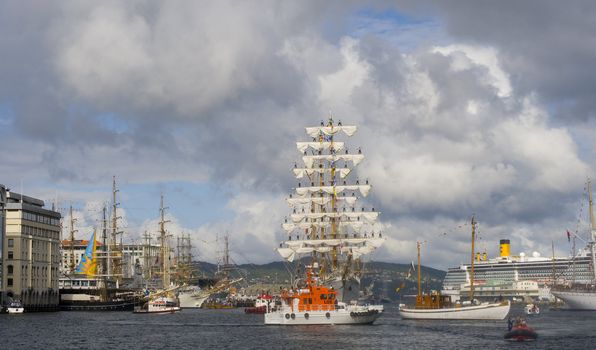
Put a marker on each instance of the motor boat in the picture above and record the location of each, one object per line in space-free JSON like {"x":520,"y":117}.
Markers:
{"x":520,"y":331}
{"x":15,"y":307}
{"x":532,"y":309}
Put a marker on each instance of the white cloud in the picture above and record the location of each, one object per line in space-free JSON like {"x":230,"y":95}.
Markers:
{"x":218,"y":92}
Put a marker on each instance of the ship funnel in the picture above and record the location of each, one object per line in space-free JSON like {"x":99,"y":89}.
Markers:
{"x":504,"y":247}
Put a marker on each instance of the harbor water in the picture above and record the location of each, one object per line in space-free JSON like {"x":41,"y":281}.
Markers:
{"x":233,"y":329}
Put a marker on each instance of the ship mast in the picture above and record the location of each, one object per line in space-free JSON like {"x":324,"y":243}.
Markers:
{"x":553,"y":251}
{"x":592,"y":231}
{"x":72,"y":238}
{"x":472,"y":260}
{"x":165,"y":252}
{"x":116,"y":249}
{"x":104,"y":234}
{"x":418,"y":243}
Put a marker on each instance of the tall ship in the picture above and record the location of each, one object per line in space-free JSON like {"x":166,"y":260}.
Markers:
{"x":191,"y":296}
{"x":580,"y":294}
{"x":327,"y":225}
{"x":164,"y":300}
{"x":96,"y":283}
{"x":436,"y":306}
{"x":328,"y":234}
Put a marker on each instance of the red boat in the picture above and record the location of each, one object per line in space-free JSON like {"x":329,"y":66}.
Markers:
{"x":521,"y":332}
{"x":260,"y":304}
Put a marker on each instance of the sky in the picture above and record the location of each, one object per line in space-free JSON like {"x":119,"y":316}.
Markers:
{"x":463,"y":107}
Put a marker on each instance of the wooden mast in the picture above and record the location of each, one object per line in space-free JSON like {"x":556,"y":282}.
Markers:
{"x":72,"y":232}
{"x":418,"y":243}
{"x":472,"y":260}
{"x":553,"y":258}
{"x":165,"y":254}
{"x":592,"y":231}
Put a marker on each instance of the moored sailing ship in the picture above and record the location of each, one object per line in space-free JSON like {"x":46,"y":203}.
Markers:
{"x":95,"y":284}
{"x":582,"y":296}
{"x":164,"y":300}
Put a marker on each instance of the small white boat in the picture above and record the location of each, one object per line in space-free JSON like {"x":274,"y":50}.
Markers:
{"x":15,"y":307}
{"x":159,"y":305}
{"x":532,"y":309}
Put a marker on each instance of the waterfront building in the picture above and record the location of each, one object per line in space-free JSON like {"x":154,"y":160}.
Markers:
{"x":30,"y":252}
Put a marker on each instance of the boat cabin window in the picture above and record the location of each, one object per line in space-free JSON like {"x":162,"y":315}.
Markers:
{"x":323,"y":296}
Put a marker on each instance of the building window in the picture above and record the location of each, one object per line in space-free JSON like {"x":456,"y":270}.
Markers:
{"x":10,"y":255}
{"x":9,"y":269}
{"x":9,"y":282}
{"x":10,"y":242}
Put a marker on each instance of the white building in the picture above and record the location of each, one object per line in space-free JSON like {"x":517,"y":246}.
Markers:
{"x":31,"y":252}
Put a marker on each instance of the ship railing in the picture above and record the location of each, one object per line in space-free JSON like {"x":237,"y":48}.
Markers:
{"x":322,"y":307}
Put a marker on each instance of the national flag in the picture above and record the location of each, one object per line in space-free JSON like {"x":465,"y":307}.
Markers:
{"x":568,"y":236}
{"x":88,"y":264}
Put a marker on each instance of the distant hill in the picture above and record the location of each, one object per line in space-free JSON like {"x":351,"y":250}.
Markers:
{"x":384,"y":277}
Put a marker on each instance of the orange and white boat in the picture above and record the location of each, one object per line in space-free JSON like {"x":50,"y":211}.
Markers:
{"x":316,"y":304}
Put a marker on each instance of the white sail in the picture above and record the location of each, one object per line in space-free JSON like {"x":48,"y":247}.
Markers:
{"x":355,"y":225}
{"x":287,"y":253}
{"x":369,"y":216}
{"x":321,"y":200}
{"x":301,"y":172}
{"x":354,"y":158}
{"x":364,"y":189}
{"x":331,"y":130}
{"x":319,"y":146}
{"x":355,"y":246}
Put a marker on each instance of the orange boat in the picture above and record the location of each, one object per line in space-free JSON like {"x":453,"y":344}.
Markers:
{"x":317,"y":304}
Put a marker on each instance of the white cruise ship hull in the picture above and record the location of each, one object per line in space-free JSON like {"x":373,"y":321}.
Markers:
{"x":359,"y":315}
{"x":577,"y":300}
{"x":486,"y":311}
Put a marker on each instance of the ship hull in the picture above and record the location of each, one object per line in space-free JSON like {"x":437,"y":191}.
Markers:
{"x":98,"y":306}
{"x":339,"y":317}
{"x":190,"y":300}
{"x":577,"y":300}
{"x":495,"y":311}
{"x":15,"y":310}
{"x":347,"y":290}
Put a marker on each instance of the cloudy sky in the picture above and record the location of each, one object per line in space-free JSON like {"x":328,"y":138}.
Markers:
{"x":463,"y":107}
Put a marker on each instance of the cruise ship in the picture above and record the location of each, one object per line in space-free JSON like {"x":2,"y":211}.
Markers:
{"x":516,"y":276}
